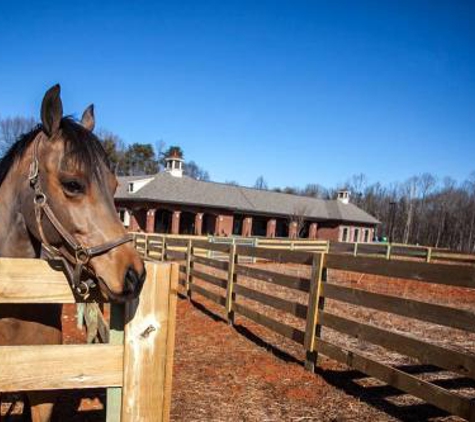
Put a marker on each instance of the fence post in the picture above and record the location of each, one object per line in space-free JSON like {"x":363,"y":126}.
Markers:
{"x":315,"y":303}
{"x":164,"y":248}
{"x":355,"y":249}
{"x":230,"y":295}
{"x":388,"y":251}
{"x":146,"y":247}
{"x":114,"y":394}
{"x":189,"y":266}
{"x":148,"y":347}
{"x":429,"y":254}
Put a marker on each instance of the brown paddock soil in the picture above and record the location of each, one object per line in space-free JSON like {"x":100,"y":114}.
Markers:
{"x":334,"y":393}
{"x":248,"y":373}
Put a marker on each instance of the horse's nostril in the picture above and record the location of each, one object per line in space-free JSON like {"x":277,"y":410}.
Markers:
{"x":133,"y":282}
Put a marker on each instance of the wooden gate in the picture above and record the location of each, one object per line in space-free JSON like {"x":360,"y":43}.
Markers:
{"x":136,"y":366}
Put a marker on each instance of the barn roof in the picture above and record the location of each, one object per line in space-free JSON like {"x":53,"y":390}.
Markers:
{"x":166,"y":188}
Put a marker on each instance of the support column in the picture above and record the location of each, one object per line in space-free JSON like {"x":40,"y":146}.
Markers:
{"x":150,"y":224}
{"x":219,"y":221}
{"x":293,"y":230}
{"x":312,"y":231}
{"x":198,"y":223}
{"x":134,"y":225}
{"x":271,"y":226}
{"x":176,"y":222}
{"x":247,"y":227}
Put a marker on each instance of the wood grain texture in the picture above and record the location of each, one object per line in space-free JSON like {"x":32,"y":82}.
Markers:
{"x":453,"y":275}
{"x":32,"y":281}
{"x":148,"y":335}
{"x":444,"y":399}
{"x":438,"y":314}
{"x":283,"y":329}
{"x":285,"y":280}
{"x":24,"y":368}
{"x":212,"y":279}
{"x":220,"y":300}
{"x":285,"y":305}
{"x":425,"y":352}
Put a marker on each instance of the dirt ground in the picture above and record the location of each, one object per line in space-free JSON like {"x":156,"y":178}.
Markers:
{"x":234,"y":374}
{"x":248,"y":373}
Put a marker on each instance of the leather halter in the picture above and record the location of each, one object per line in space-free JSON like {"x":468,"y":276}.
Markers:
{"x":81,"y":254}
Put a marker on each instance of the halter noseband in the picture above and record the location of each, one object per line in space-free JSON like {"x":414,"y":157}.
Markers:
{"x":81,"y":254}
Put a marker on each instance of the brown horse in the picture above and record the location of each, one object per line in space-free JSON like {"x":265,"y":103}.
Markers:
{"x":56,"y":194}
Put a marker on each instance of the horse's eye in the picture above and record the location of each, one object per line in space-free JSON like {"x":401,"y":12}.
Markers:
{"x":73,"y":186}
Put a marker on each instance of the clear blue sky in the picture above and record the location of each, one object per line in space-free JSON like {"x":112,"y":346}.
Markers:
{"x":298,"y":91}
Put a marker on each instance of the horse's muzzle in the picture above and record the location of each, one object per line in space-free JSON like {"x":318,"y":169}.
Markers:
{"x":133,"y":283}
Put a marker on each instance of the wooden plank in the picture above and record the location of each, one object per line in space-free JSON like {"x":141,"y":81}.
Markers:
{"x":114,"y":394}
{"x":32,"y":281}
{"x":315,"y":301}
{"x":170,"y":345}
{"x":427,"y":353}
{"x":149,"y":338}
{"x":437,"y":314}
{"x":283,"y":329}
{"x":433,"y":394}
{"x":296,"y":257}
{"x":292,"y":282}
{"x":232,"y":278}
{"x":220,"y":300}
{"x":285,"y":305}
{"x":220,"y":265}
{"x":216,"y":281}
{"x":453,"y":275}
{"x":188,"y":266}
{"x":204,"y":244}
{"x":25,"y":368}
{"x":176,"y":255}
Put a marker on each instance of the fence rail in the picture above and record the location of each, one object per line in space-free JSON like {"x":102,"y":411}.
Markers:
{"x":318,"y":317}
{"x":140,"y":365}
{"x":156,"y":246}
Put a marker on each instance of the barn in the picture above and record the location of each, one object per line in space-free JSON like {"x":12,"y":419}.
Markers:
{"x":170,"y":202}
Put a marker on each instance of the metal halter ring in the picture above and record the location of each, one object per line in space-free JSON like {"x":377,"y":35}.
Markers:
{"x":39,"y":199}
{"x":83,"y":289}
{"x":82,"y":256}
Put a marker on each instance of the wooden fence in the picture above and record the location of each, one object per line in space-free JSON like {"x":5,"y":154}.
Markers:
{"x":317,"y":317}
{"x":154,"y":246}
{"x":136,"y":366}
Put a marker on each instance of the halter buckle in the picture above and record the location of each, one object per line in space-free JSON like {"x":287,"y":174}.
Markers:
{"x":82,"y":255}
{"x":83,"y":290}
{"x":39,"y":199}
{"x":34,"y":171}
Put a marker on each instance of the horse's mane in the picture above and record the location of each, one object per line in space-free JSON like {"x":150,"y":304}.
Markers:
{"x":81,"y":146}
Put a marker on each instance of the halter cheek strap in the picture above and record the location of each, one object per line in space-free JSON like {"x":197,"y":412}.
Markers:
{"x":81,"y":255}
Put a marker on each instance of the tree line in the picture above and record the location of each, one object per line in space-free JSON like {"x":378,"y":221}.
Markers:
{"x":126,"y":160}
{"x":422,"y":210}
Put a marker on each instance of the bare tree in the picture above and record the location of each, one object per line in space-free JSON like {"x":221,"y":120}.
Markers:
{"x":298,"y":218}
{"x":11,"y":128}
{"x":261,"y":184}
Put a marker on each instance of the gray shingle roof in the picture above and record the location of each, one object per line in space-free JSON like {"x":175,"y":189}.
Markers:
{"x":167,"y":188}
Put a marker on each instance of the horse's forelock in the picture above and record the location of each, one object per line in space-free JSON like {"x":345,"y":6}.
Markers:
{"x":82,"y":149}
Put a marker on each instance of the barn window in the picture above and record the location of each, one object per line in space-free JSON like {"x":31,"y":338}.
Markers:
{"x":344,"y":234}
{"x":356,"y":235}
{"x":131,"y":187}
{"x":366,"y":235}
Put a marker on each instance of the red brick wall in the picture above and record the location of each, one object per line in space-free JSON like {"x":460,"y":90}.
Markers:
{"x":225,"y":225}
{"x":328,"y":232}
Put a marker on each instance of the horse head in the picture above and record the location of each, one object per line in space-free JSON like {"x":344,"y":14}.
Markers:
{"x":68,"y":203}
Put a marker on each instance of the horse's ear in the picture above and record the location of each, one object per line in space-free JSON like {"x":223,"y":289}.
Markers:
{"x":52,"y":110}
{"x":88,"y":120}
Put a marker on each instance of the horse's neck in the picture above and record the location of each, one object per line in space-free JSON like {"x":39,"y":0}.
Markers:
{"x":15,"y":240}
